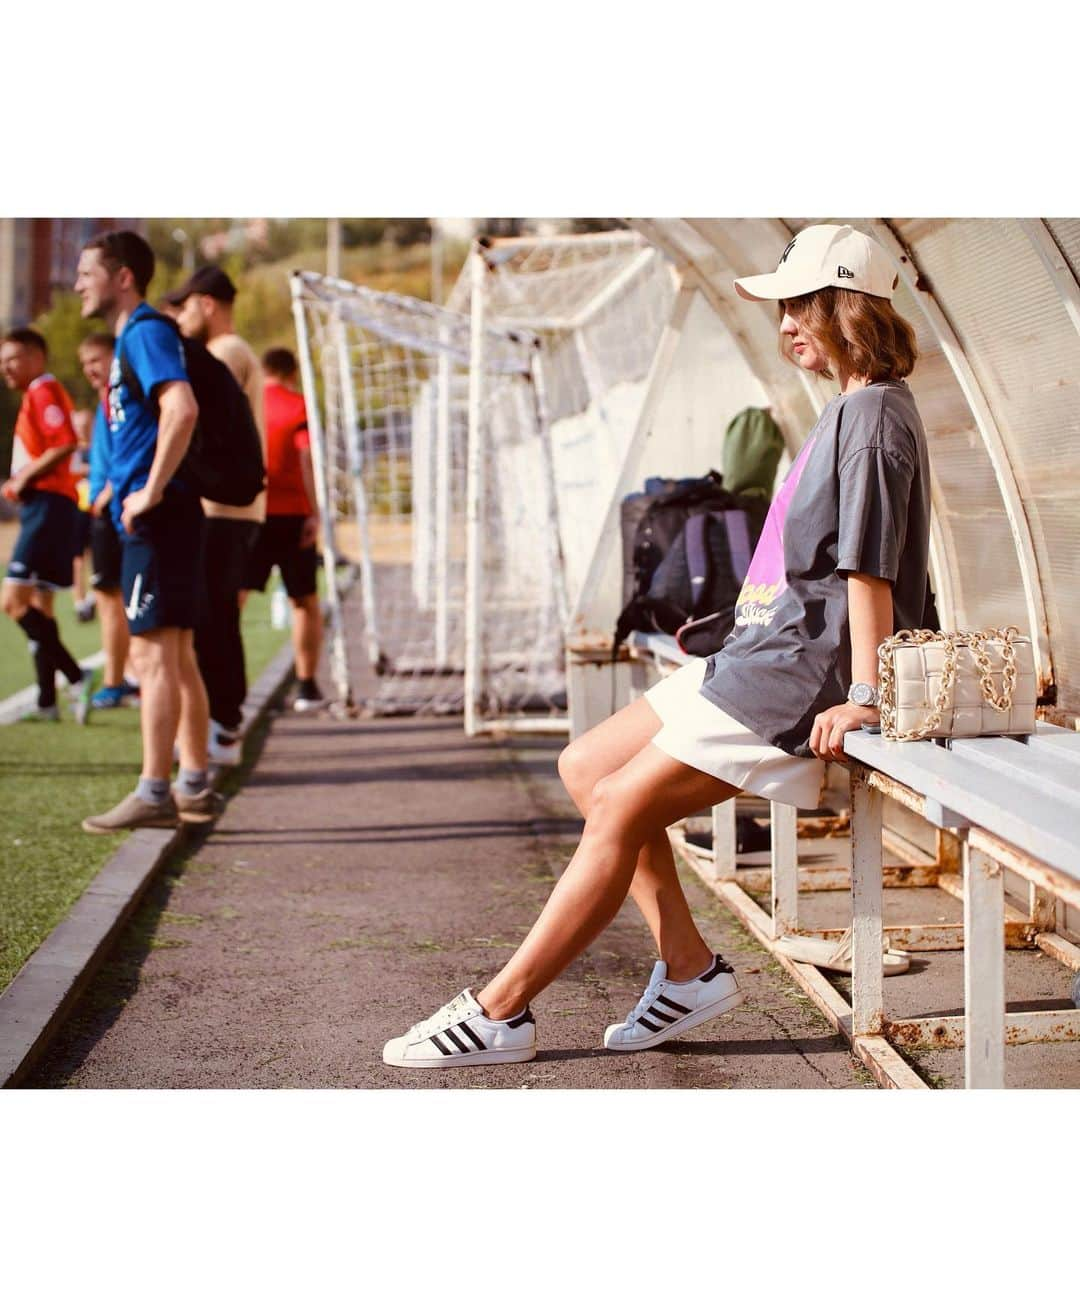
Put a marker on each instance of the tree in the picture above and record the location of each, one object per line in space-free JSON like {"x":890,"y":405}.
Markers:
{"x":64,"y":328}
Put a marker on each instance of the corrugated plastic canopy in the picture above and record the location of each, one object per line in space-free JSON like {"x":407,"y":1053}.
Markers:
{"x":996,"y":307}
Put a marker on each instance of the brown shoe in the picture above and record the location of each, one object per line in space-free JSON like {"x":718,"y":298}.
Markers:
{"x":132,"y":812}
{"x":204,"y":806}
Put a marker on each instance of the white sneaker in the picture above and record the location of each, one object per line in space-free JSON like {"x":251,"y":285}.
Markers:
{"x":224,"y":747}
{"x":460,"y":1035}
{"x":667,"y":1009}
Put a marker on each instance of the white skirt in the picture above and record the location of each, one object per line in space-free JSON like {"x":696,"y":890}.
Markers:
{"x":698,"y":733}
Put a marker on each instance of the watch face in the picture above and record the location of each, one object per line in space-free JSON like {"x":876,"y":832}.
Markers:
{"x":863,"y":695}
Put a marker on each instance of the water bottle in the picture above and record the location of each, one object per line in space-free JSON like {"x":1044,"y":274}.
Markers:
{"x":279,"y":608}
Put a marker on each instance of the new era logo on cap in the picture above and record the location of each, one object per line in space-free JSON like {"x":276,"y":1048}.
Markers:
{"x":841,"y":271}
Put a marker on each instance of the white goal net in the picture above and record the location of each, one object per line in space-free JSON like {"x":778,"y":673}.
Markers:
{"x":433,"y":470}
{"x":598,"y":304}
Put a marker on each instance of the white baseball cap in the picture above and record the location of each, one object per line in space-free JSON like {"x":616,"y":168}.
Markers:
{"x":825,"y":256}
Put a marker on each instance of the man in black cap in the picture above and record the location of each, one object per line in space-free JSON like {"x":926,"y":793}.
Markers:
{"x":205,"y":313}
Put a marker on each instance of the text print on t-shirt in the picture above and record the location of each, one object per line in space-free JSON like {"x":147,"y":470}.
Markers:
{"x":766,"y":579}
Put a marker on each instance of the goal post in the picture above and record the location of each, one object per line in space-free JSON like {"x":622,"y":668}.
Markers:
{"x":427,"y":440}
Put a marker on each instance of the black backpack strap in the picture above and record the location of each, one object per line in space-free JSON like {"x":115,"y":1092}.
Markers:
{"x":128,"y":377}
{"x":127,"y":372}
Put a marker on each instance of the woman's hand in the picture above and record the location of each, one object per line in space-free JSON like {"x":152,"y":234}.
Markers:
{"x":830,"y":727}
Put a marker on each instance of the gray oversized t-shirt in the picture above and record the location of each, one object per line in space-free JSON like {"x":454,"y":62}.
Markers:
{"x":856,"y":499}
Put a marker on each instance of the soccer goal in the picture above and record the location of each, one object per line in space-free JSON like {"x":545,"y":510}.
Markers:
{"x":598,"y":304}
{"x":432,"y":470}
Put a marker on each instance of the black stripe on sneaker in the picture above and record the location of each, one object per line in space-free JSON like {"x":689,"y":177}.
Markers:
{"x":526,"y":1016}
{"x":663,"y":998}
{"x":649,"y":1025}
{"x":715,"y":970}
{"x":460,"y":1044}
{"x":663,"y":1016}
{"x":441,"y":1046}
{"x":462,"y":1025}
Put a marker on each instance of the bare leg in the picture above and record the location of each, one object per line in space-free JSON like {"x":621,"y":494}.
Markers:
{"x":156,"y":655}
{"x":194,"y":728}
{"x":655,"y":888}
{"x":17,"y":598}
{"x":115,"y":639}
{"x":626,"y":809}
{"x":307,"y":635}
{"x":78,"y":577}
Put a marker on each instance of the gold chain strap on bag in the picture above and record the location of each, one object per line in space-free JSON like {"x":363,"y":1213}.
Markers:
{"x":910,"y":661}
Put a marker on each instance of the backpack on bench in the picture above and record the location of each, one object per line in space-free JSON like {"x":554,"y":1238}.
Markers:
{"x":691,"y":547}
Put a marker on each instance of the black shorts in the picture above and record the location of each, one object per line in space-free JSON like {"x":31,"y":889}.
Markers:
{"x":162,"y":565}
{"x":82,"y":533}
{"x":278,"y":546}
{"x":45,"y":547}
{"x":106,"y":553}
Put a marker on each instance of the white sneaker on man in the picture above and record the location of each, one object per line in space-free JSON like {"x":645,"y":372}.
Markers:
{"x":224,"y":747}
{"x":459,"y":1034}
{"x":667,"y":1009}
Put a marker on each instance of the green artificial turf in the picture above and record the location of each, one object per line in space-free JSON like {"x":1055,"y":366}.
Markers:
{"x":54,"y":774}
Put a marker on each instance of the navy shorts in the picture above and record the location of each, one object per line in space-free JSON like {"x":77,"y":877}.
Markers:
{"x":161,"y":570}
{"x":278,"y":546}
{"x":43,"y":553}
{"x":106,"y":553}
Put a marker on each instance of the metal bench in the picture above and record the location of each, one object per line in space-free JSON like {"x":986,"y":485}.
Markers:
{"x":994,"y":803}
{"x":1015,"y":805}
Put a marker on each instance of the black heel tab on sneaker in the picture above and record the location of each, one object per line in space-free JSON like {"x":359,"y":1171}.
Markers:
{"x":521,"y":1019}
{"x":718,"y":966}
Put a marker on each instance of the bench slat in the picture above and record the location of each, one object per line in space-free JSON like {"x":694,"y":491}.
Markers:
{"x":1018,"y":811}
{"x":1010,"y":757}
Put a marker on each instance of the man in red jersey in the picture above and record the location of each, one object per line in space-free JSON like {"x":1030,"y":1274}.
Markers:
{"x":287,"y":538}
{"x":43,"y":485}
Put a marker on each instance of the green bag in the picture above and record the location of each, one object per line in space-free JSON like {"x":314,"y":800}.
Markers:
{"x":752,"y":448}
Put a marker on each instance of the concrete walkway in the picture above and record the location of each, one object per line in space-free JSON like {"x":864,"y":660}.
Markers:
{"x":365,"y":873}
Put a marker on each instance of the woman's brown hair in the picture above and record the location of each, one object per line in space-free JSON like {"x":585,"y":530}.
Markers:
{"x":862,"y":334}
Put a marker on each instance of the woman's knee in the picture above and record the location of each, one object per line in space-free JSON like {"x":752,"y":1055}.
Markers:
{"x":614,"y":801}
{"x":577,"y":773}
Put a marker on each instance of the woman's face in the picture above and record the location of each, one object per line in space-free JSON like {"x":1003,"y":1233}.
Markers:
{"x":808,"y":353}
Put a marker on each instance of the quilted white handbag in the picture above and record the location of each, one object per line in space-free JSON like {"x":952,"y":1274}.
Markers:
{"x":956,"y":684}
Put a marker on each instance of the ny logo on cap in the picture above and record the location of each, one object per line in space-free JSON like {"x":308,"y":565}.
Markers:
{"x":791,"y":246}
{"x":841,"y":271}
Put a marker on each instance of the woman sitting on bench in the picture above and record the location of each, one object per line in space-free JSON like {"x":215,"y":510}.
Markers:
{"x":841,"y":564}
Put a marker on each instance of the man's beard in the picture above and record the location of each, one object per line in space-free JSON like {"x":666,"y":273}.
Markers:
{"x":104,"y":307}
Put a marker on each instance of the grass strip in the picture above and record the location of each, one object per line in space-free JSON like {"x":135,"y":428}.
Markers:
{"x":52,"y":775}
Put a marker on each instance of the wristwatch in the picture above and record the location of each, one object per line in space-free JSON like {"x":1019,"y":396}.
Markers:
{"x":865,"y":696}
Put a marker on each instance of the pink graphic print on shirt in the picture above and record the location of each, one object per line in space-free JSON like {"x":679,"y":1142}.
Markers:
{"x":766,"y":579}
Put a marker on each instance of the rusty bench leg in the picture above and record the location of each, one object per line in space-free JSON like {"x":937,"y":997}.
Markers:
{"x":783,"y":820}
{"x":984,"y":971}
{"x":724,"y":840}
{"x":867,"y":990}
